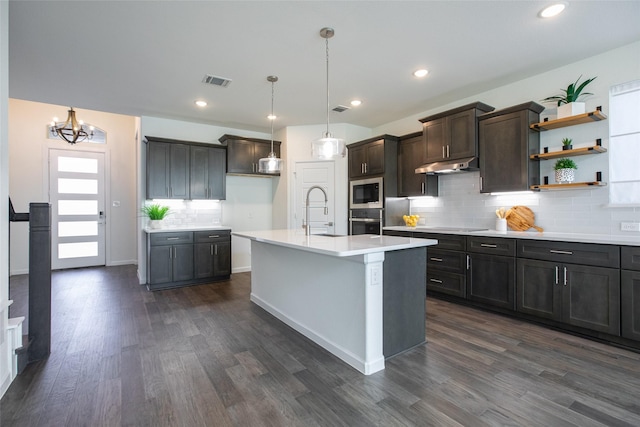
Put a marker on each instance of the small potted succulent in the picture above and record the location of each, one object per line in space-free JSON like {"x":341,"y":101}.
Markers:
{"x":565,"y":171}
{"x":568,"y":104}
{"x":566,"y":144}
{"x":156,"y":213}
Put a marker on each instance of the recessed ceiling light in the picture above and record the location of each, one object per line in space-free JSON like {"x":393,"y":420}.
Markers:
{"x":421,"y":73}
{"x":356,"y":102}
{"x":201,"y":103}
{"x":552,"y":10}
{"x":272,"y":117}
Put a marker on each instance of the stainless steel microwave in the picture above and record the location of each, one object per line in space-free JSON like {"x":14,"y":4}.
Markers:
{"x":366,"y":193}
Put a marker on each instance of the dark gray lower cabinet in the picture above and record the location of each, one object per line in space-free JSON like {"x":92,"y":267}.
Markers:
{"x":630,"y":299}
{"x":578,"y":295}
{"x":492,"y":280}
{"x":186,"y":258}
{"x":446,"y":272}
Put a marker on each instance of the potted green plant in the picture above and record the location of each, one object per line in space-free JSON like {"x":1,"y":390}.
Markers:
{"x":566,"y":144}
{"x":565,"y":170}
{"x":156,"y":213}
{"x":567,"y":101}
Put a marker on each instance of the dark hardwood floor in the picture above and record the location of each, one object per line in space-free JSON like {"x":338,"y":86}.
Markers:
{"x":206,"y":356}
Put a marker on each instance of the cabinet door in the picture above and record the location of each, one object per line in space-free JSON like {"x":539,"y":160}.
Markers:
{"x":160,"y":264}
{"x":199,"y":173}
{"x":538,"y":289}
{"x":217,"y":177}
{"x":203,"y":260}
{"x":630,"y":299}
{"x":179,"y":172}
{"x":591,"y":297}
{"x":222,"y":258}
{"x":374,"y":164}
{"x":433,"y":133}
{"x":491,"y":280}
{"x":240,"y":157}
{"x":504,"y":156}
{"x":461,"y":140}
{"x":158,"y":171}
{"x":182,"y":262}
{"x":411,"y":154}
{"x":357,"y":159}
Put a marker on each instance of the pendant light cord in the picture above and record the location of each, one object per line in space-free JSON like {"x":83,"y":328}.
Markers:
{"x":328,"y":135}
{"x":272,"y":118}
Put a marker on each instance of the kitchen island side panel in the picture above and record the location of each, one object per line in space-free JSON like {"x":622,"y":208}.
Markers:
{"x":334,"y":301}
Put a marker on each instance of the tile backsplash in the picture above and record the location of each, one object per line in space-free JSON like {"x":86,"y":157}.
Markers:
{"x":570,"y":211}
{"x":192,"y":212}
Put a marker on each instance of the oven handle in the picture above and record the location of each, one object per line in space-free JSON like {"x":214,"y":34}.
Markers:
{"x":364,"y":220}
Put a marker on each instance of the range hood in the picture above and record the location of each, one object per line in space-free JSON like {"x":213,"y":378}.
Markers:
{"x":450,"y":166}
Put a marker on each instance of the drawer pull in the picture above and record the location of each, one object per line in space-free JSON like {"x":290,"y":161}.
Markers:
{"x":556,"y":274}
{"x":212,"y":237}
{"x":173,"y":238}
{"x":436,"y":259}
{"x":565,"y":276}
{"x":488,"y":245}
{"x":555,"y":251}
{"x":435,"y":280}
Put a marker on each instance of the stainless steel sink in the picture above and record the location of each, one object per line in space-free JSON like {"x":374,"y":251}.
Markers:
{"x":458,"y":229}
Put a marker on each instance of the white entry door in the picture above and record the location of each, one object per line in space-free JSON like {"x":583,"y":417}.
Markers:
{"x":307,"y":175}
{"x":76,"y":191}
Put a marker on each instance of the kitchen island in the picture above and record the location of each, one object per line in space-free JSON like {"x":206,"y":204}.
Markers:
{"x":362,"y":297}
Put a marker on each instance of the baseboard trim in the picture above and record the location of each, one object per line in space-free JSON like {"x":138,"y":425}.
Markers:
{"x":241,"y":269}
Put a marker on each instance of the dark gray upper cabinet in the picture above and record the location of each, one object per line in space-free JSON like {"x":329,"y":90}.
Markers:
{"x":185,"y":170}
{"x":167,"y":170}
{"x":208,"y":173}
{"x":243,"y":154}
{"x":368,"y":158}
{"x":453,"y":134}
{"x":412,"y":153}
{"x":505,"y":144}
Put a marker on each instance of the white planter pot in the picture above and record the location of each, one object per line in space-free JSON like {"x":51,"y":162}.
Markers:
{"x":571,"y":109}
{"x":565,"y":176}
{"x":155,"y":223}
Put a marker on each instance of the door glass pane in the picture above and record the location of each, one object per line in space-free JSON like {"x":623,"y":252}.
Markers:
{"x":76,"y":164}
{"x":77,"y":250}
{"x":77,"y":228}
{"x":77,"y":207}
{"x":77,"y":186}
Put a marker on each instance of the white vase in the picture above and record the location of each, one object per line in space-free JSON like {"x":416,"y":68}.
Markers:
{"x":155,"y":223}
{"x":571,"y":109}
{"x":565,"y":176}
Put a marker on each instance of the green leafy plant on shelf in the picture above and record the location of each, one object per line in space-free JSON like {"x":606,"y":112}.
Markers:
{"x":566,"y":141}
{"x":565,"y":164}
{"x":571,"y":93}
{"x":155,"y":211}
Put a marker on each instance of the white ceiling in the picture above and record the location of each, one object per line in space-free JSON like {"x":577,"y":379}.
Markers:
{"x":147,"y":58}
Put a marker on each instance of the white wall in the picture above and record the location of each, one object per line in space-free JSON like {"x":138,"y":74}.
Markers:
{"x":29,"y":177}
{"x":575,"y":211}
{"x":5,"y":350}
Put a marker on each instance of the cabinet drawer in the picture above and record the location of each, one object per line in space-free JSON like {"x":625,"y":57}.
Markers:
{"x":212,"y":236}
{"x":398,"y":233}
{"x":446,"y":260}
{"x":630,"y":258}
{"x":491,"y":245}
{"x":575,"y":253}
{"x":172,"y":238}
{"x":452,"y":242}
{"x":446,"y":283}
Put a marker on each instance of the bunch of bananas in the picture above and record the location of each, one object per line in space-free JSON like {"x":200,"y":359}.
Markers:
{"x":411,"y":220}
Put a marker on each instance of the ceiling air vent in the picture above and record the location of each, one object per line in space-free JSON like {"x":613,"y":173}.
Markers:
{"x":210,"y":79}
{"x":340,"y":108}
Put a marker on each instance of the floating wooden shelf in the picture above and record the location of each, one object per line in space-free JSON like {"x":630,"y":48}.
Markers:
{"x":593,"y":116}
{"x":596,"y":149}
{"x":570,"y":186}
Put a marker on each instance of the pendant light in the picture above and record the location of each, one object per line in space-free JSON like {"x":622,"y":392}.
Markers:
{"x":328,"y":147}
{"x":71,"y":130}
{"x":271,"y":164}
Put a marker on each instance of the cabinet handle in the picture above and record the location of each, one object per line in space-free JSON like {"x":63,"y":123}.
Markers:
{"x":365,"y":167}
{"x":448,"y":154}
{"x":436,"y":259}
{"x":435,"y":280}
{"x":170,"y":256}
{"x":468,"y":262}
{"x":565,"y":276}
{"x":555,"y":251}
{"x":422,"y":188}
{"x":211,"y":237}
{"x":488,"y":245}
{"x":443,"y":156}
{"x":215,"y":252}
{"x":211,"y":248}
{"x":173,"y":238}
{"x":556,"y":275}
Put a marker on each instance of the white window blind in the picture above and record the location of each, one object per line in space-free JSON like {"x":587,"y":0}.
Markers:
{"x":624,"y":144}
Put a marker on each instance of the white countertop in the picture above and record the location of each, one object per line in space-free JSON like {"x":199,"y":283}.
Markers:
{"x":341,"y":246}
{"x":185,"y":228}
{"x":553,"y":236}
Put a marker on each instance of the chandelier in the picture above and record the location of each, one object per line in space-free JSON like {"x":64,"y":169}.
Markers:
{"x":71,"y":130}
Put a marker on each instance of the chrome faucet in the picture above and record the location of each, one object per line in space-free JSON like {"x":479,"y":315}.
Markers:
{"x":305,"y":222}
